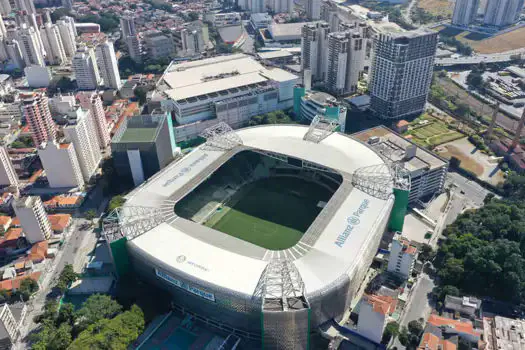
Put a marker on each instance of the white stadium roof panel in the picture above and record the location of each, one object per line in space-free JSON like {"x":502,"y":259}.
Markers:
{"x":201,"y":260}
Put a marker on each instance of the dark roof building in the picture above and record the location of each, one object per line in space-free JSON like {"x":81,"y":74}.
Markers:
{"x":142,"y":146}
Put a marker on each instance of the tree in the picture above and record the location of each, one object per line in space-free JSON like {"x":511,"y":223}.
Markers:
{"x":426,"y":253}
{"x":4,"y":296}
{"x":61,"y":338}
{"x":59,"y":13}
{"x":67,"y":276}
{"x":391,"y":330}
{"x":403,"y":336}
{"x":95,"y":308}
{"x":66,"y":314}
{"x":28,"y":287}
{"x":141,"y":92}
{"x":117,"y":333}
{"x":116,"y":202}
{"x":415,"y":327}
{"x":65,"y":84}
{"x":193,"y":16}
{"x":90,"y":215}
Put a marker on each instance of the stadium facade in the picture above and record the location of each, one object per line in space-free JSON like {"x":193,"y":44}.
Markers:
{"x":275,"y":297}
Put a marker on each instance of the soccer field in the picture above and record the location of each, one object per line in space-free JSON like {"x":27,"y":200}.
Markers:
{"x":272,"y":213}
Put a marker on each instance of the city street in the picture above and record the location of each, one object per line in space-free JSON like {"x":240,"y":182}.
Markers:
{"x":418,"y":304}
{"x":471,"y":190}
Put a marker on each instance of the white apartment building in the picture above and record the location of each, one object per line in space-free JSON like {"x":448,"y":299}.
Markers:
{"x":191,"y":39}
{"x":35,"y":109}
{"x":402,"y":256}
{"x":225,"y":88}
{"x":91,"y":101}
{"x":107,"y":64}
{"x":130,"y":36}
{"x":281,"y":6}
{"x":30,"y":47}
{"x":5,"y":7}
{"x":346,"y":56}
{"x":10,"y":111}
{"x":33,"y":218}
{"x":401,"y":72}
{"x":38,"y":77}
{"x":61,"y":165}
{"x":501,"y":13}
{"x":374,"y":313}
{"x":313,"y":9}
{"x":314,"y":49}
{"x":159,"y":45}
{"x":127,"y":26}
{"x":86,"y":69}
{"x":11,"y":324}
{"x":83,"y":136}
{"x":8,"y":176}
{"x":55,"y":52}
{"x":68,"y":34}
{"x":62,"y":104}
{"x":465,"y":12}
{"x":14,"y":53}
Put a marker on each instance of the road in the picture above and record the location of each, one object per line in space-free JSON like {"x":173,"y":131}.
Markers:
{"x":471,"y":190}
{"x":418,"y":304}
{"x":65,"y":256}
{"x":407,"y":13}
{"x":492,"y":58}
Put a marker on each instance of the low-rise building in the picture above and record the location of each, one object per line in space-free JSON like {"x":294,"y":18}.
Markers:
{"x":402,"y":256}
{"x":468,"y":306}
{"x":314,"y":103}
{"x":65,"y":202}
{"x":431,"y":341}
{"x":143,"y":146}
{"x":503,"y":333}
{"x":260,"y":20}
{"x":427,"y":170}
{"x":159,"y":45}
{"x":232,"y":89}
{"x":450,"y":328}
{"x":59,"y":222}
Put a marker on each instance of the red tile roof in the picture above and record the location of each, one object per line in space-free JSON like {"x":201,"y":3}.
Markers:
{"x":433,"y":342}
{"x":59,"y":222}
{"x":15,"y":282}
{"x":461,"y":327}
{"x":382,"y":304}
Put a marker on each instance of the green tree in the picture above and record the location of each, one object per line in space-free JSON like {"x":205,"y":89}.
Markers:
{"x":141,"y":93}
{"x":67,"y":276}
{"x":65,"y":84}
{"x":95,"y":308}
{"x":116,"y":202}
{"x":193,"y":16}
{"x":426,"y":253}
{"x":391,"y":330}
{"x":403,"y":336}
{"x":66,"y":314}
{"x":59,"y":13}
{"x":415,"y":327}
{"x":61,"y":338}
{"x":28,"y":287}
{"x":90,"y":215}
{"x":117,"y":333}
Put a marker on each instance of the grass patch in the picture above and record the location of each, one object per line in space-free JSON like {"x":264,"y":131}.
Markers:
{"x":272,"y":213}
{"x":433,"y":134}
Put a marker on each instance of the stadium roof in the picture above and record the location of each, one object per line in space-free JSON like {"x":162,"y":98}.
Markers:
{"x":206,"y":76}
{"x":331,"y":250}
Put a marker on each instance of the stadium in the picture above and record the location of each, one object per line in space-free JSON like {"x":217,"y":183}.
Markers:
{"x":265,"y":232}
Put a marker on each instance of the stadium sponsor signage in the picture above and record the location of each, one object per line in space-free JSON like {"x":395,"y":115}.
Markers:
{"x":351,"y":223}
{"x":187,"y":287}
{"x":185,"y":170}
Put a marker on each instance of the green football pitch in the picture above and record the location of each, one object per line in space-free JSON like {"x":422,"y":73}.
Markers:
{"x":272,"y":213}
